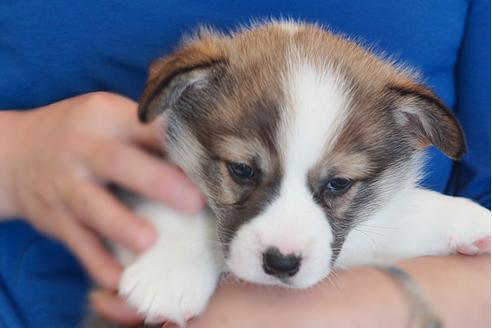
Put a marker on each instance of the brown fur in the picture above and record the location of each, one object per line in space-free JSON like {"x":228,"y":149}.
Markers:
{"x":227,"y":92}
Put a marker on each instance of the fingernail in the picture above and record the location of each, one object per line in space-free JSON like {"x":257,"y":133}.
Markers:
{"x":194,"y":200}
{"x":186,"y":197}
{"x":145,"y":237}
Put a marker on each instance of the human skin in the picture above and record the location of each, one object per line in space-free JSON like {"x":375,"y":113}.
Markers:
{"x":457,"y":287}
{"x":57,"y":161}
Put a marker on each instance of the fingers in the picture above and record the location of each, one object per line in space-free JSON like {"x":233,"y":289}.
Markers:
{"x":100,"y":264}
{"x":151,"y":136}
{"x":99,"y":210}
{"x":136,"y":170}
{"x":114,"y":308}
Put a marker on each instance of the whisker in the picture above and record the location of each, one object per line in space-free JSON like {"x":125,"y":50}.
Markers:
{"x":367,"y":235}
{"x":376,"y":226}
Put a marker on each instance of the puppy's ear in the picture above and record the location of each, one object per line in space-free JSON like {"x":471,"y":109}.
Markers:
{"x":169,"y":77}
{"x":418,"y":110}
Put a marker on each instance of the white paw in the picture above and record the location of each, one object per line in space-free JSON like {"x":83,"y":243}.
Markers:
{"x":471,"y":233}
{"x":166,"y":285}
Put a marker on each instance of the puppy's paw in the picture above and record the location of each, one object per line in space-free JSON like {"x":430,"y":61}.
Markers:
{"x":170,"y":287}
{"x":481,"y":246}
{"x":471,"y":234}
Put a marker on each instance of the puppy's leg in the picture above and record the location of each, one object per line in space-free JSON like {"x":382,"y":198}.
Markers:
{"x":174,"y":279}
{"x":417,"y":223}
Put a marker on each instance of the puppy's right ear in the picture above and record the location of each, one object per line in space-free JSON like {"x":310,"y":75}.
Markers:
{"x":169,"y":77}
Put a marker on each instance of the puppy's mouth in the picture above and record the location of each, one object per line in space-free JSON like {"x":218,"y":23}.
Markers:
{"x":259,"y":273}
{"x":284,"y":282}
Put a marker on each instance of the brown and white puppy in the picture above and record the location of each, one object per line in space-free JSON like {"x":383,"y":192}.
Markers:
{"x":308,"y":149}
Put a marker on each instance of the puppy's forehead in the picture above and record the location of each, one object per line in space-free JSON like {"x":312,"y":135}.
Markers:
{"x":292,"y":87}
{"x":317,"y":101}
{"x":286,"y":87}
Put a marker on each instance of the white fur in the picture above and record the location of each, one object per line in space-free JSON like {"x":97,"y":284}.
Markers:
{"x":309,"y":235}
{"x":174,"y":279}
{"x":317,"y":101}
{"x":417,"y":222}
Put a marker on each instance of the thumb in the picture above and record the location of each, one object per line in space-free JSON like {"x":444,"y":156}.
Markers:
{"x":114,"y":308}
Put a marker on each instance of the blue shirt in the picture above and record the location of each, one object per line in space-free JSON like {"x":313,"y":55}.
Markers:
{"x":58,"y":49}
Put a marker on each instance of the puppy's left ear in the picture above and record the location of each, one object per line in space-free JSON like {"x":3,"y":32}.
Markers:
{"x":170,"y":76}
{"x":420,"y":112}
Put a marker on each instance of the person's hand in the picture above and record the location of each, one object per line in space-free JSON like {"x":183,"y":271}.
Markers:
{"x":63,"y":155}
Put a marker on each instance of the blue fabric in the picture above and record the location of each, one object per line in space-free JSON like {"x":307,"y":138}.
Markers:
{"x":57,"y":49}
{"x":41,"y":284}
{"x":471,"y":176}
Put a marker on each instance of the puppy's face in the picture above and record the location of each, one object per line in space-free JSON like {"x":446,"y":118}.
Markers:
{"x":295,"y":136}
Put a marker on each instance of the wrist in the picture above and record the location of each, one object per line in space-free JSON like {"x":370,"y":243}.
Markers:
{"x":449,"y":283}
{"x":421,"y":313}
{"x":12,"y":125}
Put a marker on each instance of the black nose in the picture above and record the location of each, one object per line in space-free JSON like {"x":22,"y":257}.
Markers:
{"x":280,"y":265}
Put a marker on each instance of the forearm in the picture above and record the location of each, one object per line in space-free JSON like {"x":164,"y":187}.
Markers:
{"x":10,"y":125}
{"x":457,"y":288}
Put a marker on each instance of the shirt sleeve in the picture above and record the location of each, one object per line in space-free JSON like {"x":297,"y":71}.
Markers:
{"x":471,"y":175}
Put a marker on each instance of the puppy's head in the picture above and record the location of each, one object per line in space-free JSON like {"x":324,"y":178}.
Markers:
{"x":295,"y":136}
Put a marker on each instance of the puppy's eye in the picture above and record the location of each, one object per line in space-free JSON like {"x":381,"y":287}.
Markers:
{"x":337,"y":186}
{"x":240,"y":172}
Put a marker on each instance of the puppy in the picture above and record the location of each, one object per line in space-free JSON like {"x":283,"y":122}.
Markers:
{"x":308,"y":149}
